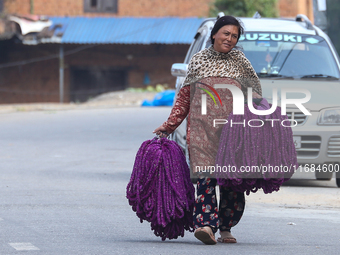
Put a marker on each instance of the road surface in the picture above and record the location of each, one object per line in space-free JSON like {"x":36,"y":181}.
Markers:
{"x":62,"y":191}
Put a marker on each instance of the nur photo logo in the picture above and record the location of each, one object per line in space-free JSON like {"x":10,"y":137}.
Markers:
{"x":239,"y":104}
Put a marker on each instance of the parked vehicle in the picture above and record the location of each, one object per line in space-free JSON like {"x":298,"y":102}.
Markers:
{"x":295,"y":54}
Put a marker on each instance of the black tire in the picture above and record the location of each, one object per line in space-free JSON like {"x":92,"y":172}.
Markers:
{"x":338,"y":182}
{"x":337,"y":176}
{"x":323,"y":176}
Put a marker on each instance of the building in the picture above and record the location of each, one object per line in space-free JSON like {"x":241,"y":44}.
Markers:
{"x":95,"y":47}
{"x":94,"y":56}
{"x":121,"y":8}
{"x":137,"y":8}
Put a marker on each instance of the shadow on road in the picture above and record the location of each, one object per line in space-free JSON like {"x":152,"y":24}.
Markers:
{"x":311,"y":183}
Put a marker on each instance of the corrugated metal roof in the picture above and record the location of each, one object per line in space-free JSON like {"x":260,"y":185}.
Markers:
{"x":128,"y":30}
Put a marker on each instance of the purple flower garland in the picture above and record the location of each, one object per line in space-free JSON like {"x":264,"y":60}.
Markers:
{"x":256,"y":146}
{"x":160,"y":190}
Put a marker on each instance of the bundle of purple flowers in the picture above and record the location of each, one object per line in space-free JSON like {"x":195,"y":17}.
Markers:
{"x":160,"y":190}
{"x":268,"y":145}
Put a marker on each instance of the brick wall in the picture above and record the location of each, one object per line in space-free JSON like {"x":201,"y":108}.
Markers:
{"x":137,"y":8}
{"x":290,"y":8}
{"x":36,"y":82}
{"x":39,"y":82}
{"x":17,"y":6}
{"x":144,"y":8}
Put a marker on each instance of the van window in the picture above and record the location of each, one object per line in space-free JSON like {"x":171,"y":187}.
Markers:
{"x":292,"y":55}
{"x":197,"y":45}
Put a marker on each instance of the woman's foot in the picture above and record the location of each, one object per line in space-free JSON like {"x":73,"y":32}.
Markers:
{"x":205,"y":235}
{"x":226,"y":237}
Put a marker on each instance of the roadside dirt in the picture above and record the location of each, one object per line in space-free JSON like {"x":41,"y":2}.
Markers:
{"x":301,"y":194}
{"x":108,"y":100}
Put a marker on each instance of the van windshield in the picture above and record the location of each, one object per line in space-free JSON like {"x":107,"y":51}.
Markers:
{"x":289,"y":55}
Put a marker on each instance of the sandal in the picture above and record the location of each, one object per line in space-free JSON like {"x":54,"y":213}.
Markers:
{"x":228,"y":238}
{"x":205,"y":235}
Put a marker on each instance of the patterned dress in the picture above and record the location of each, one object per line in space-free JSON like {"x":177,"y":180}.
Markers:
{"x":209,"y":67}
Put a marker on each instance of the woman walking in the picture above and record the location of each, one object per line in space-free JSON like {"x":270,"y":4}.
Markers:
{"x":223,"y":61}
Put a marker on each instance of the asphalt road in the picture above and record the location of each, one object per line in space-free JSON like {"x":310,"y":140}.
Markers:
{"x":62,"y":191}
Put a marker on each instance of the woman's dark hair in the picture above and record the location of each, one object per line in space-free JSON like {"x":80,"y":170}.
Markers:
{"x":223,"y":21}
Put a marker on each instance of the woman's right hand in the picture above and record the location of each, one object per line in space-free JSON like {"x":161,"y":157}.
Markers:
{"x":161,"y":131}
{"x":255,"y":95}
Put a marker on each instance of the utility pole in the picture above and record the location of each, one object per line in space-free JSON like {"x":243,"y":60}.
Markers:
{"x":320,"y":16}
{"x":1,"y":6}
{"x":32,"y":6}
{"x":61,"y":73}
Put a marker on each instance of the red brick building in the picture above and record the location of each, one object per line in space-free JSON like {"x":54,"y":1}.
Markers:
{"x":122,"y":8}
{"x":118,"y":67}
{"x":137,"y":8}
{"x":100,"y":55}
{"x":290,"y":8}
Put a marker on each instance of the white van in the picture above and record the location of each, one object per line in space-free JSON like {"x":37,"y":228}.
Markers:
{"x":289,"y":53}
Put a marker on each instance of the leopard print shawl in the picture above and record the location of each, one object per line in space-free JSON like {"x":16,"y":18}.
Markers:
{"x":234,"y":64}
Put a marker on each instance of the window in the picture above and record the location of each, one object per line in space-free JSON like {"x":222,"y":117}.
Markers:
{"x":292,"y":55}
{"x":93,"y":4}
{"x":200,"y":39}
{"x":108,"y":6}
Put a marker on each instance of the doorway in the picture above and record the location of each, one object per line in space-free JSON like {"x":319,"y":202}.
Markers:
{"x":88,"y":82}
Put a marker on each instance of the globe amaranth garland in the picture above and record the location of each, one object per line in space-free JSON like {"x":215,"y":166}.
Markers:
{"x":160,"y":190}
{"x":258,"y":147}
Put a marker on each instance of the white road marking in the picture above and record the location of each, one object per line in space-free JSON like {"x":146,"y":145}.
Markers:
{"x":24,"y":246}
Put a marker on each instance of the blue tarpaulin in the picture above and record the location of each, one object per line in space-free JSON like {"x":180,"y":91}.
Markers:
{"x":165,"y":98}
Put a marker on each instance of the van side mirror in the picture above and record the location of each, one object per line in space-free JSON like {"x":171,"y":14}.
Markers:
{"x":179,"y":69}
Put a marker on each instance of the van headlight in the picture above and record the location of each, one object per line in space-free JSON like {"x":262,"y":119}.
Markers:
{"x":329,"y":116}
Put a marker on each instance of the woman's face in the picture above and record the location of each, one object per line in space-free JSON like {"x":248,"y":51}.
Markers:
{"x":226,"y":38}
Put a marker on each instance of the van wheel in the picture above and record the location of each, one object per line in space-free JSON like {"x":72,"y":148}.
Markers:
{"x":323,"y":176}
{"x":338,"y":182}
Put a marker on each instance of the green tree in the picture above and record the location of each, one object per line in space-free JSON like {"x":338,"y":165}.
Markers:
{"x":333,"y":10}
{"x":245,"y":8}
